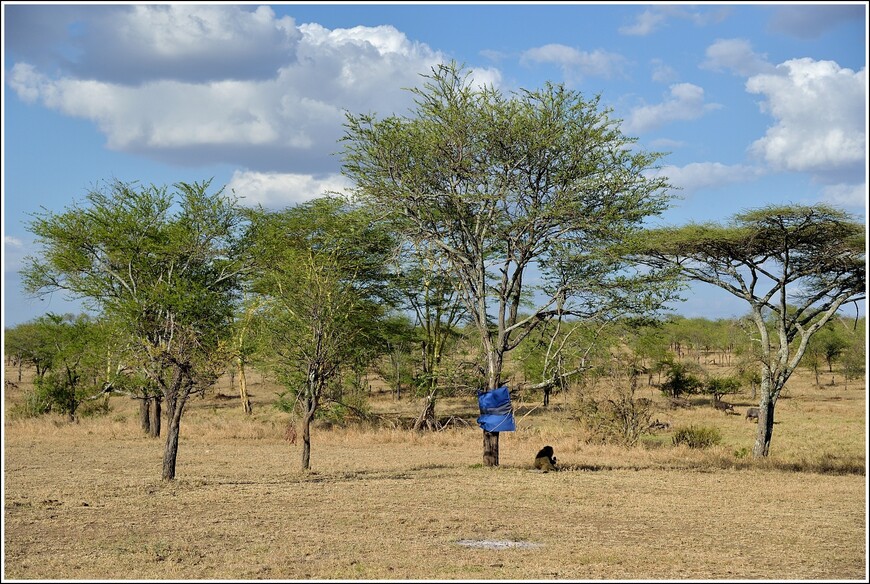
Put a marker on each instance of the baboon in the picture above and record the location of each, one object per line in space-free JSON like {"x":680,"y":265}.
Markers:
{"x":545,"y":460}
{"x":752,"y":414}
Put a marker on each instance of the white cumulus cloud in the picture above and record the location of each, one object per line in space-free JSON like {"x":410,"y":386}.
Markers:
{"x":14,"y":251}
{"x":286,"y":118}
{"x":846,"y":195}
{"x":819,"y":110}
{"x":575,"y":63}
{"x":275,"y":190}
{"x":685,"y":101}
{"x":702,"y":175}
{"x":655,"y":18}
{"x":737,"y":56}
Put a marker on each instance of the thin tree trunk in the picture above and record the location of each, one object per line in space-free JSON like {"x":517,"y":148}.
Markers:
{"x":243,"y":387}
{"x":310,"y":409}
{"x":156,"y":415}
{"x":490,"y":448}
{"x":306,"y":441}
{"x":145,"y":414}
{"x":490,"y":439}
{"x":170,"y":452}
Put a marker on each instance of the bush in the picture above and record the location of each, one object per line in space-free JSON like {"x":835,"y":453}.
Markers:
{"x":697,"y":436}
{"x":681,"y":379}
{"x":35,"y":404}
{"x":621,"y":418}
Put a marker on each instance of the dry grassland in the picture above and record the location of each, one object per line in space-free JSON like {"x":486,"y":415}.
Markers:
{"x":85,"y":501}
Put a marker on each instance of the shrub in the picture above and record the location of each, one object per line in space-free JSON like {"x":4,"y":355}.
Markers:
{"x":697,"y":436}
{"x":681,"y":379}
{"x":620,"y":418}
{"x":721,"y":386}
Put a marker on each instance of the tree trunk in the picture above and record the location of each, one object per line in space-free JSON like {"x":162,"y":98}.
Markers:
{"x":765,"y":419}
{"x":156,"y":415}
{"x":310,"y":408}
{"x":490,"y":448}
{"x":243,"y":387}
{"x":547,"y":390}
{"x":306,"y":441}
{"x":170,"y":452}
{"x":145,"y":414}
{"x":490,"y":439}
{"x":427,"y":416}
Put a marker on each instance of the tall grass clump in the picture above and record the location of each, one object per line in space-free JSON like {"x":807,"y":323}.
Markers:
{"x":697,"y":436}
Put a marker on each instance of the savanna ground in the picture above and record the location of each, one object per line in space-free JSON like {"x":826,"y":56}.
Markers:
{"x":85,"y":501}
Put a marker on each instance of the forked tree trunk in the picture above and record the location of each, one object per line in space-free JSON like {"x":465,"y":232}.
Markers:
{"x":426,"y":419}
{"x":170,"y":452}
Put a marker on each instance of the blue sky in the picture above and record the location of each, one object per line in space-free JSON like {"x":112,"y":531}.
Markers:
{"x":755,"y":104}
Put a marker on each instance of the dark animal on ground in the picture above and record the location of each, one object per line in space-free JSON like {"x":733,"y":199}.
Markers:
{"x":658,"y":425}
{"x":679,"y":402}
{"x":752,"y":414}
{"x":545,"y":460}
{"x":724,"y":407}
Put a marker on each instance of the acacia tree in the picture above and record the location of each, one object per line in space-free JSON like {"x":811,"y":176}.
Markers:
{"x":503,"y":186}
{"x":794,"y":265}
{"x":163,"y":266}
{"x":28,"y":344}
{"x":424,"y":285}
{"x":321,"y":270}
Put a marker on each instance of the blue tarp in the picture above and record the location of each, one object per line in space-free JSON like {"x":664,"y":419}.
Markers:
{"x":496,"y":413}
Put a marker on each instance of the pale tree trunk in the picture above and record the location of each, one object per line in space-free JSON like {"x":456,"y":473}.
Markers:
{"x":243,"y":386}
{"x":764,"y":433}
{"x":427,"y":416}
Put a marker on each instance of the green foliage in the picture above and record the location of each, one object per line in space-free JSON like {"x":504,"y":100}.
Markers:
{"x":537,"y":179}
{"x":720,"y":386}
{"x":320,"y":271}
{"x":697,"y":436}
{"x":73,"y":353}
{"x":33,"y":405}
{"x":795,"y":265}
{"x":29,"y":343}
{"x":680,"y":379}
{"x":163,"y":267}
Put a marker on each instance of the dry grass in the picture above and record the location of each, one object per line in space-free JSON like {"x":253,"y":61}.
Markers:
{"x":85,"y":501}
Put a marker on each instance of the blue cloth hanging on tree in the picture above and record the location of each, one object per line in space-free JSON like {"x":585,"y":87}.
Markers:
{"x":496,"y":412}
